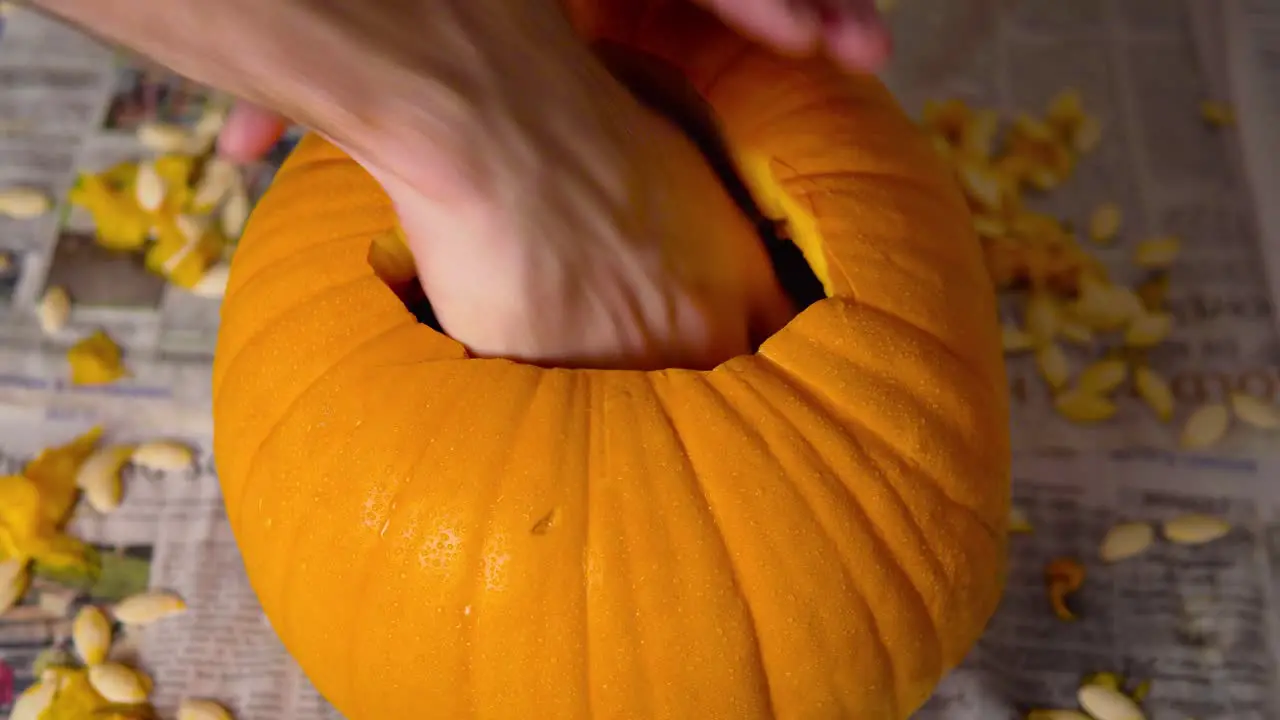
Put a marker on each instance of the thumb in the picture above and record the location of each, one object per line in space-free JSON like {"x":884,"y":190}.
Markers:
{"x":250,"y":132}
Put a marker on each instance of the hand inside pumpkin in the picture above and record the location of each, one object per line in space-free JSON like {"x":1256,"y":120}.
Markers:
{"x":636,"y":258}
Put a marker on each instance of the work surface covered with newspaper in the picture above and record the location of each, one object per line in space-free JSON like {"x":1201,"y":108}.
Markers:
{"x":1146,"y":555}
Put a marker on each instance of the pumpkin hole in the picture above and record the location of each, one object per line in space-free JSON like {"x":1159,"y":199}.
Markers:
{"x":663,"y":89}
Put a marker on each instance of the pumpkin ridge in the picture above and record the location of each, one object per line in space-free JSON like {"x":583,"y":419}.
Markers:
{"x":289,"y":408}
{"x":695,"y":481}
{"x":831,"y":408}
{"x":879,"y":176}
{"x":818,"y":458}
{"x":266,"y":270}
{"x":816,"y":455}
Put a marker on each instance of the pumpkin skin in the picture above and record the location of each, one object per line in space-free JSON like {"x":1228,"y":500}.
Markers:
{"x":814,"y":531}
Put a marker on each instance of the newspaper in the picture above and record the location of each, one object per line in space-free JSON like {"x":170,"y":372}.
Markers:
{"x":1199,"y":623}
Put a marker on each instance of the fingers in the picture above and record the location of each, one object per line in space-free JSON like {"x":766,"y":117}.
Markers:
{"x":250,"y":131}
{"x":851,"y":31}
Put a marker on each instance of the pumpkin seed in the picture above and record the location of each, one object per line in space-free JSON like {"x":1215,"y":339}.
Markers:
{"x":148,"y":187}
{"x":1082,"y":406}
{"x":1057,"y":715}
{"x":1148,"y":329}
{"x":1103,"y":376}
{"x":1157,"y":253}
{"x":1015,"y":339}
{"x":56,"y":602}
{"x":163,"y":455}
{"x":1053,"y":365}
{"x":988,"y":226}
{"x":981,"y":185}
{"x":195,"y":709}
{"x":118,"y":683}
{"x":1018,"y":522}
{"x":1106,"y":679}
{"x":1206,"y":426}
{"x":218,"y":178}
{"x":1155,"y":392}
{"x":54,"y":310}
{"x":1104,"y":703}
{"x":164,"y":138}
{"x":235,"y":212}
{"x":1043,"y":318}
{"x":1126,"y":540}
{"x":213,"y":284}
{"x":146,"y":608}
{"x":1255,"y":411}
{"x":91,"y":635}
{"x":1105,"y":222}
{"x":14,"y":576}
{"x":1076,"y":332}
{"x":1195,"y":529}
{"x":35,"y":700}
{"x":24,"y":203}
{"x":99,"y":477}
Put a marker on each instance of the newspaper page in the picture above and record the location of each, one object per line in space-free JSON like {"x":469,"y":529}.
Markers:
{"x":1197,"y":622}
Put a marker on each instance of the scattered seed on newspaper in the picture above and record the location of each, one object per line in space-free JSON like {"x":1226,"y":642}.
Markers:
{"x":1255,"y":411}
{"x":146,"y":608}
{"x":99,"y":477}
{"x":164,"y":138}
{"x":1155,"y":392}
{"x":1103,"y":376}
{"x":1148,"y":330}
{"x":1053,"y":365}
{"x":24,"y":203}
{"x":1015,"y":339}
{"x":13,"y":582}
{"x":1195,"y":529}
{"x":1126,"y":540}
{"x":1104,"y":703}
{"x":198,"y":709}
{"x":1081,"y":406}
{"x":1105,"y":222}
{"x":148,"y":187}
{"x":91,"y":635}
{"x":163,"y":455}
{"x":1206,"y":426}
{"x":218,"y":178}
{"x":1157,"y":253}
{"x":118,"y":683}
{"x":54,"y":310}
{"x":235,"y":212}
{"x":1043,"y":318}
{"x":213,"y":284}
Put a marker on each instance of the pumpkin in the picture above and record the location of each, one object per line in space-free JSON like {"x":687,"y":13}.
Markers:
{"x":816,"y":530}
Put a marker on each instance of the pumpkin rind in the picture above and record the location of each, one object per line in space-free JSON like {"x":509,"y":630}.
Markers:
{"x":814,"y":531}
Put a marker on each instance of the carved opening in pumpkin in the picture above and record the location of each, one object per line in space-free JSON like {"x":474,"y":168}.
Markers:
{"x":664,"y":89}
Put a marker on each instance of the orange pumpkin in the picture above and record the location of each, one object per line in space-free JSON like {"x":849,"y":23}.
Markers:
{"x":817,"y":530}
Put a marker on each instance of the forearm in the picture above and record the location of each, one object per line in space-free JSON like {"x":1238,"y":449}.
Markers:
{"x":489,"y":81}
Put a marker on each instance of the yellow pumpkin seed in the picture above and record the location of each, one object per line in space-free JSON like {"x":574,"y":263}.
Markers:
{"x":1018,"y":522}
{"x":1105,"y":222}
{"x":981,"y":185}
{"x":118,"y":683}
{"x":164,"y":138}
{"x":35,"y":700}
{"x":1148,"y":329}
{"x":1104,"y":703}
{"x":1106,"y":679}
{"x":99,"y":477}
{"x":1126,"y":540}
{"x":14,"y":576}
{"x":1255,"y":411}
{"x":1053,"y":364}
{"x":1043,"y":317}
{"x":1206,"y":426}
{"x":1155,"y":392}
{"x":148,"y":187}
{"x":1195,"y":529}
{"x":164,"y":455}
{"x":24,"y":203}
{"x":216,"y":181}
{"x":148,"y":607}
{"x":989,"y":227}
{"x":1084,"y":407}
{"x":1157,"y":253}
{"x":1104,"y":306}
{"x":54,"y":310}
{"x":1015,"y":339}
{"x":91,"y":635}
{"x":213,"y":284}
{"x":235,"y":212}
{"x":1075,"y":332}
{"x":1103,"y":376}
{"x":196,"y":709}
